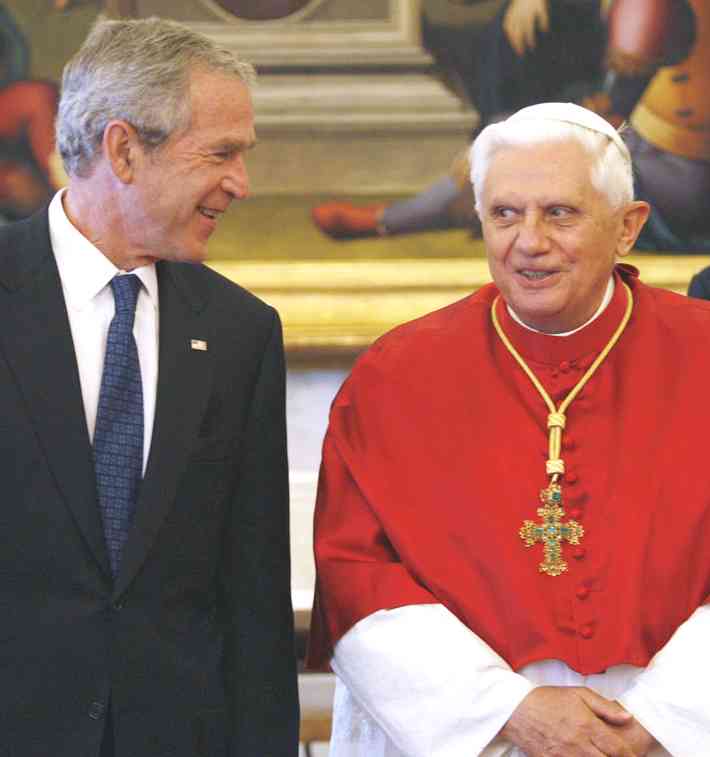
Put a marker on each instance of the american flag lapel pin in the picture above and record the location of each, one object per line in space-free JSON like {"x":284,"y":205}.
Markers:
{"x":198,"y":344}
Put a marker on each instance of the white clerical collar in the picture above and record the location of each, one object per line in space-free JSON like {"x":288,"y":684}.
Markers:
{"x":605,"y":301}
{"x":83,"y":269}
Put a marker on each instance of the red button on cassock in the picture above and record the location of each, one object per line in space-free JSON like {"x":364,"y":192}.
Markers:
{"x":571,"y":477}
{"x":564,"y":366}
{"x":575,"y":513}
{"x":586,"y":632}
{"x":582,"y":592}
{"x":579,"y":553}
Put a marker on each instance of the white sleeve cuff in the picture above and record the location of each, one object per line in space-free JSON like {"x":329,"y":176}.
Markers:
{"x":670,"y":697}
{"x":433,"y":686}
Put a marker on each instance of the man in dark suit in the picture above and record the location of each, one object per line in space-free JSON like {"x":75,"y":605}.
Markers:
{"x":144,"y":572}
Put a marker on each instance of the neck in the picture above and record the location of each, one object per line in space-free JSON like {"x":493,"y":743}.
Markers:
{"x":84,"y":204}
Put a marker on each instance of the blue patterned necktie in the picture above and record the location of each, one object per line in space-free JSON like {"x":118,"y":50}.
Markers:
{"x":118,"y":438}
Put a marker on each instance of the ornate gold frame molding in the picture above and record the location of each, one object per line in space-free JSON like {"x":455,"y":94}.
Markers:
{"x":344,"y":305}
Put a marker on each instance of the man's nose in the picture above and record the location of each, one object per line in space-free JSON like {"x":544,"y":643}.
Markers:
{"x":236,"y":180}
{"x":532,"y":236}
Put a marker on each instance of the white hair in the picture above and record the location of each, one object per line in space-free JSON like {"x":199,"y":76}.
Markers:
{"x":611,"y":171}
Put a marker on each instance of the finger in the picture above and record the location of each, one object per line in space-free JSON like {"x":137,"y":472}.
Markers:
{"x":518,"y":43}
{"x":512,"y":32}
{"x":530,"y":35}
{"x":607,"y":710}
{"x":543,"y":18}
{"x":611,"y":745}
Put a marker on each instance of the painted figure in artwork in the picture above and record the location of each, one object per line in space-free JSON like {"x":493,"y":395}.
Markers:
{"x":657,"y":75}
{"x":659,"y":72}
{"x":29,"y":169}
{"x":511,"y":54}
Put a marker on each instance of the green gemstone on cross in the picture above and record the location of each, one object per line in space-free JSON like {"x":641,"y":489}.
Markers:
{"x":552,"y":531}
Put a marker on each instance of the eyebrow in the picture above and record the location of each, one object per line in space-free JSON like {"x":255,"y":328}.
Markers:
{"x":500,"y":202}
{"x":546,"y":203}
{"x":237,"y":145}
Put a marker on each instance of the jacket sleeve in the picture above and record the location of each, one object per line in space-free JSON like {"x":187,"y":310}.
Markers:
{"x":260,"y":664}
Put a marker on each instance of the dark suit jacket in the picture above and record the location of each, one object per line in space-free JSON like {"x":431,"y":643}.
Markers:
{"x":193,"y":642}
{"x":700,"y":285}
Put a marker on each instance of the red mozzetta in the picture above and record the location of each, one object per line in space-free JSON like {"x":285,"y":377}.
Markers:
{"x":435,"y":456}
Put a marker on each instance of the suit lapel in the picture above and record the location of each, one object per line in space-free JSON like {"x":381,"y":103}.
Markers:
{"x":37,"y":344}
{"x":184,"y":380}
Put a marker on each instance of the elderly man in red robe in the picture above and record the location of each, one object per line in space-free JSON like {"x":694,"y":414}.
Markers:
{"x":513,"y":517}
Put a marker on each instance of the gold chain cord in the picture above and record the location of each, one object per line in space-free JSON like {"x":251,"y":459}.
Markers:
{"x":556,"y":419}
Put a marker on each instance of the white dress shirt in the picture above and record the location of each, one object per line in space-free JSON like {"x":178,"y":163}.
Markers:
{"x":86,"y":273}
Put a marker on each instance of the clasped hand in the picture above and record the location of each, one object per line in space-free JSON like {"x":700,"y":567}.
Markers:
{"x":561,"y":721}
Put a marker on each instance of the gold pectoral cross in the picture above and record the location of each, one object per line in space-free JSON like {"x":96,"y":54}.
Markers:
{"x":552,"y":531}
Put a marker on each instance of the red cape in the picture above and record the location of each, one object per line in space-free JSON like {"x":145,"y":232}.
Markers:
{"x":435,"y":455}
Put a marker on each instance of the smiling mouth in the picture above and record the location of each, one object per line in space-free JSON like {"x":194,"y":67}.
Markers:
{"x":209,"y":213}
{"x":536,"y":275}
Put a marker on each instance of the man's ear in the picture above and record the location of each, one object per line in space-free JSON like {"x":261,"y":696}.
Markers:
{"x":121,"y":147}
{"x":635,"y":215}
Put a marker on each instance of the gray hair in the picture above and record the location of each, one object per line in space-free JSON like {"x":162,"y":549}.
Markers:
{"x":611,"y":172}
{"x":137,"y":71}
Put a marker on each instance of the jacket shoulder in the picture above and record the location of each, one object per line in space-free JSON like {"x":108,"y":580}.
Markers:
{"x":24,"y":246}
{"x":222,"y":294}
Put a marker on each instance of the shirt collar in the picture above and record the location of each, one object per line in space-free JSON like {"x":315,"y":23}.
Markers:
{"x":605,"y":301}
{"x":83,"y":269}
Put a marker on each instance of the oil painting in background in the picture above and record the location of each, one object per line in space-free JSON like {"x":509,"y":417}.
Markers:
{"x":643,"y":62}
{"x":652,"y":68}
{"x":30,"y":68}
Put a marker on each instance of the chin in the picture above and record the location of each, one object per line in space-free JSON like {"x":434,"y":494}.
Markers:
{"x":542,"y":320}
{"x":538,"y":311}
